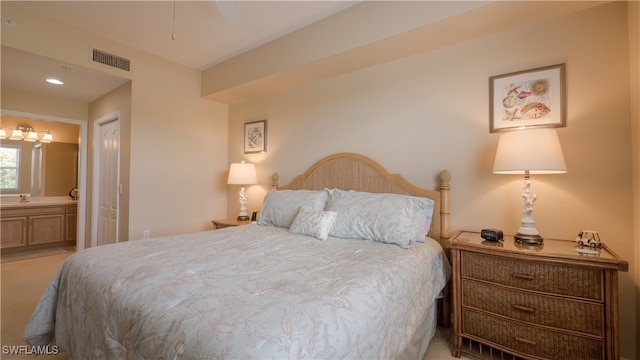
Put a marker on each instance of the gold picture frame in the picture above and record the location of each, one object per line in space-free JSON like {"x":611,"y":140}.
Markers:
{"x":529,"y":98}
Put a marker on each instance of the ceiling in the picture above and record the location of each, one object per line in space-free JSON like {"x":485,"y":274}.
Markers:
{"x":25,"y":72}
{"x":206,"y":32}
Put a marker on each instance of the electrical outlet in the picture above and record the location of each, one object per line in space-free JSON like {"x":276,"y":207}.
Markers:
{"x":146,"y":234}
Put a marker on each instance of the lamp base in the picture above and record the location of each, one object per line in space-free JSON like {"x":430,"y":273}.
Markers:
{"x":242,"y":218}
{"x":528,"y":239}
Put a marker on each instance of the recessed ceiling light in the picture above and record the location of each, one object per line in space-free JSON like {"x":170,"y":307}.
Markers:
{"x":54,"y":81}
{"x":9,"y":21}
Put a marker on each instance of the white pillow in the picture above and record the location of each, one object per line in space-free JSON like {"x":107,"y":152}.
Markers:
{"x":313,"y":223}
{"x":389,"y":218}
{"x":281,"y":206}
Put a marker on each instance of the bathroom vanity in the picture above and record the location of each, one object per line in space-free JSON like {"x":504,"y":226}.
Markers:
{"x":40,"y":221}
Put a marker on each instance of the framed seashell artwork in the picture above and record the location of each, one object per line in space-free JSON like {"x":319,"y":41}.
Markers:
{"x":255,"y":137}
{"x":528,"y":98}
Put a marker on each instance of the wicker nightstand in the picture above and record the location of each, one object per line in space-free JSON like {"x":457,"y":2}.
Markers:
{"x":223,"y":223}
{"x":542,"y":302}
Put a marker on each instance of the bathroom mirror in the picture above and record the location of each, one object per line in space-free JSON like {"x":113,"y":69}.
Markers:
{"x":45,"y":169}
{"x":54,"y":169}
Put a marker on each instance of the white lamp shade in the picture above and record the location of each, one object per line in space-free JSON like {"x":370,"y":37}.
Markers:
{"x":32,"y":136}
{"x":536,"y":150}
{"x":47,"y":138}
{"x":16,"y":135}
{"x":3,"y":134}
{"x":242,"y":174}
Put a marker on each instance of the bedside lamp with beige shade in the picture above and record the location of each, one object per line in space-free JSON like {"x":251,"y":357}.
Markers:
{"x":527,"y":152}
{"x":242,"y":174}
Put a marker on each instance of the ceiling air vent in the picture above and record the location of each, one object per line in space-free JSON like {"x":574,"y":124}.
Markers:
{"x":108,"y":59}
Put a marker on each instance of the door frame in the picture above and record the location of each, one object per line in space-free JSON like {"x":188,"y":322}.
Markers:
{"x":95,"y":208}
{"x":82,"y":165}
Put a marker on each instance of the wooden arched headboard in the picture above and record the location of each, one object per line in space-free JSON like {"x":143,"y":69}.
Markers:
{"x":349,"y":171}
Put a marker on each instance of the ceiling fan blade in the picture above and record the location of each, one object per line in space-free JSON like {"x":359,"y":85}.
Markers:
{"x":229,"y":10}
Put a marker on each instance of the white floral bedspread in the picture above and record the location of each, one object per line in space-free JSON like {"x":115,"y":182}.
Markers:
{"x":239,"y":293}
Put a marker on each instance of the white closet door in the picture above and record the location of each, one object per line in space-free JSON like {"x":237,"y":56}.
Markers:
{"x":108,"y":182}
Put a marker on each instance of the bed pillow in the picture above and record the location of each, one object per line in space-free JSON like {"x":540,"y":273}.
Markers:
{"x":389,"y":218}
{"x":313,"y":223}
{"x":281,"y":206}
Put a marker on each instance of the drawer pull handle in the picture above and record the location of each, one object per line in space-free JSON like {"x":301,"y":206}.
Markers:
{"x":525,"y":341}
{"x":524,"y":308}
{"x":523,"y":276}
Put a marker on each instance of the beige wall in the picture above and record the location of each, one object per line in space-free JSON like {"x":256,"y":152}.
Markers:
{"x":428,"y":112}
{"x":178,"y":154}
{"x":178,"y":141}
{"x":31,"y":103}
{"x":118,"y":103}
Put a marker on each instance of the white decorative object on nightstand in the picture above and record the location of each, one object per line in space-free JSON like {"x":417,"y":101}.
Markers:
{"x":529,"y":151}
{"x":242,"y":174}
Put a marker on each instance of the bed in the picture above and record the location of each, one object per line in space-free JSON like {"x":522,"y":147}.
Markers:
{"x":332,"y":269}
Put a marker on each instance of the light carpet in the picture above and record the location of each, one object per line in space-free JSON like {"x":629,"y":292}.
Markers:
{"x":10,"y":256}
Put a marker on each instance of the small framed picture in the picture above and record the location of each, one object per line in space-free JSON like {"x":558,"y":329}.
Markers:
{"x":529,"y":98}
{"x":255,"y":137}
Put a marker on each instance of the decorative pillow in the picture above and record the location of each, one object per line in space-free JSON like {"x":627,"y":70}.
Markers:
{"x":281,"y":206}
{"x":389,"y":218}
{"x":313,"y":223}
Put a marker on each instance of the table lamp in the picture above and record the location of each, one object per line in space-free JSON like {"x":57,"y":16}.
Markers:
{"x":529,"y":151}
{"x":242,"y":174}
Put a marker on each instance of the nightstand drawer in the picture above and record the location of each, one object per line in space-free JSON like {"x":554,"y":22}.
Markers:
{"x":530,"y":340}
{"x":582,"y":316}
{"x":537,"y":276}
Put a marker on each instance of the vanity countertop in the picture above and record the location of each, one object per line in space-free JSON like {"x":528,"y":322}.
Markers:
{"x":14,"y":202}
